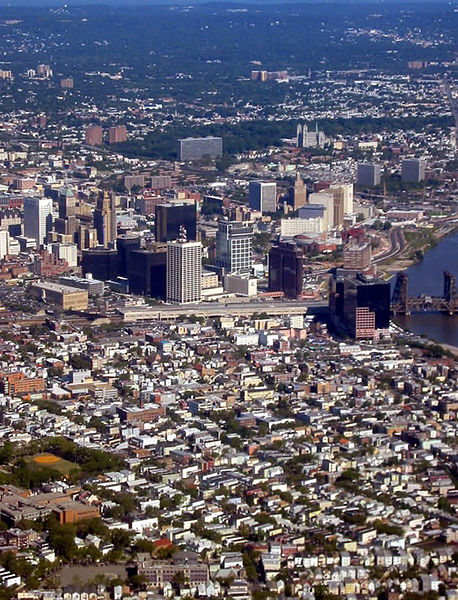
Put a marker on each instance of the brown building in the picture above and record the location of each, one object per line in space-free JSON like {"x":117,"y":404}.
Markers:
{"x":72,"y":512}
{"x":298,"y":193}
{"x":149,"y":413}
{"x":16,"y":384}
{"x":105,"y":219}
{"x":158,"y":572}
{"x":67,"y":297}
{"x":49,"y":265}
{"x":117,"y":134}
{"x":357,"y":256}
{"x":66,"y":83}
{"x":93,"y":135}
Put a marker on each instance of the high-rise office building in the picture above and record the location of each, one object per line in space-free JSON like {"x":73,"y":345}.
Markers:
{"x":105,"y":219}
{"x":184,"y":271}
{"x":263,"y":196}
{"x":359,"y":305}
{"x":368,"y":174}
{"x":66,"y":223}
{"x":93,"y":135}
{"x":234,"y":247}
{"x":325,"y":199}
{"x":298,"y":193}
{"x":147,"y":271}
{"x":4,"y":244}
{"x":286,"y":269}
{"x":413,"y":170}
{"x":38,"y":218}
{"x":345,"y":191}
{"x":117,"y":134}
{"x":67,"y":252}
{"x":101,"y":263}
{"x":126,"y":244}
{"x":171,"y":217}
{"x":199,"y":148}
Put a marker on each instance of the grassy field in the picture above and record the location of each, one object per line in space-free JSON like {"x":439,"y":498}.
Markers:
{"x":52,"y":461}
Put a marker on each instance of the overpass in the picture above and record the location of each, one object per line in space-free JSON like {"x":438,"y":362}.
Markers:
{"x":169,"y":312}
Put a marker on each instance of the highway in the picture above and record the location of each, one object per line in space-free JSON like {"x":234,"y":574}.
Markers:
{"x":167,"y":312}
{"x":397,"y":242}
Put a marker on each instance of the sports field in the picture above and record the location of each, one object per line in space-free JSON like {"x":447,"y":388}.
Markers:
{"x":53,"y":462}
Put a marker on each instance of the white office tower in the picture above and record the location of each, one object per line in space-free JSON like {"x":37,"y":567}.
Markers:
{"x":346,"y":190}
{"x":325,"y":199}
{"x":184,"y":271}
{"x":263,"y":196}
{"x":37,"y":218}
{"x":234,"y":247}
{"x":67,"y":252}
{"x":4,"y":244}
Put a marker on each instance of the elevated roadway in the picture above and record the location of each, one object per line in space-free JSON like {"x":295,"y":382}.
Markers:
{"x":168,"y":312}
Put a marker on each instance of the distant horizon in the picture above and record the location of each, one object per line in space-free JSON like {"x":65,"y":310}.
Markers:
{"x":130,"y":3}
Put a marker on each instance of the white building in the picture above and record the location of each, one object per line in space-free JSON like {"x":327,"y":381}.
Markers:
{"x":68,"y":252}
{"x":263,"y":196}
{"x":37,"y":218}
{"x":4,"y":244}
{"x":241,"y":284}
{"x":234,"y":247}
{"x":346,"y":189}
{"x":297,"y":226}
{"x":325,"y":199}
{"x":184,"y":272}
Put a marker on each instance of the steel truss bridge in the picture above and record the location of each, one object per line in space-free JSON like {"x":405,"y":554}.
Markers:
{"x":403,"y":304}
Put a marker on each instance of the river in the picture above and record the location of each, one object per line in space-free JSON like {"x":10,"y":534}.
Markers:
{"x":426,"y":277}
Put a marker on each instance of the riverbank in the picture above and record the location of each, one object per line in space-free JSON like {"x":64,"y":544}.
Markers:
{"x":414,"y":250}
{"x":426,"y":278}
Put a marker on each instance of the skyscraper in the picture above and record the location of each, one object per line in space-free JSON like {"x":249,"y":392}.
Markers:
{"x":286,"y":269}
{"x":4,"y":244}
{"x":324,"y":198}
{"x":184,"y":271}
{"x":37,"y":218}
{"x":368,"y":174}
{"x":344,"y":190}
{"x":101,"y":263}
{"x":263,"y":196}
{"x":105,"y":219}
{"x":126,"y":244}
{"x":413,"y":170}
{"x":298,"y":193}
{"x":359,"y":305}
{"x":171,"y":217}
{"x":146,"y":271}
{"x":234,"y":247}
{"x":66,"y":223}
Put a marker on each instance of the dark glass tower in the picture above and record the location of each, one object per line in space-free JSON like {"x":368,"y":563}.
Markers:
{"x":286,"y":269}
{"x":169,"y":219}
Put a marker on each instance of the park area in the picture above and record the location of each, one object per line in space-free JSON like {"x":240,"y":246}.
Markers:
{"x":51,"y":461}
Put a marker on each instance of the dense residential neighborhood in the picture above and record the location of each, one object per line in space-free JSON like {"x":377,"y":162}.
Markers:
{"x":228,"y":308}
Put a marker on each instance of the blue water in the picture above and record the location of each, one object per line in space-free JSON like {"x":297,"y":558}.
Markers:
{"x":426,"y":277}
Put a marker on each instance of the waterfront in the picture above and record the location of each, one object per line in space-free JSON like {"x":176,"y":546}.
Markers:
{"x":426,"y":277}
